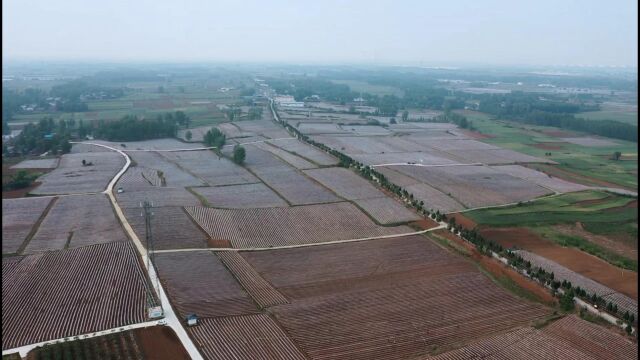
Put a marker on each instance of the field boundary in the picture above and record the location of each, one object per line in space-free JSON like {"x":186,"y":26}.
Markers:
{"x":36,"y":226}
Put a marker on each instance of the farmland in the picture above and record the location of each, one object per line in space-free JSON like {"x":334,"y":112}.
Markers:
{"x":199,"y":283}
{"x":171,"y":228}
{"x":80,"y":291}
{"x":257,"y":228}
{"x":623,"y":302}
{"x":243,"y":196}
{"x":75,"y":221}
{"x":19,"y":216}
{"x":71,"y":176}
{"x":567,"y":338}
{"x":244,"y":337}
{"x":601,"y":223}
{"x":140,"y":344}
{"x":583,"y":164}
{"x":391,"y":298}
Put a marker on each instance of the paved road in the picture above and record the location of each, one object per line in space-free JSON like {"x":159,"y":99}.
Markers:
{"x":170,"y":317}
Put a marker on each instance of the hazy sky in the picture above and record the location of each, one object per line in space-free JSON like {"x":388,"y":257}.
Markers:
{"x":532,"y":32}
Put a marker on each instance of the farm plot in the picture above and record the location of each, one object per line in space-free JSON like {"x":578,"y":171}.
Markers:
{"x":365,"y":130}
{"x":158,"y":196}
{"x":209,"y":167}
{"x":392,"y":299}
{"x":540,"y":178}
{"x":172,"y":174}
{"x":297,"y":147}
{"x":139,"y":178}
{"x":155,"y":144}
{"x":345,"y":183}
{"x":589,"y":141}
{"x":245,"y":196}
{"x":151,"y":343}
{"x":497,"y":156}
{"x":567,"y":338}
{"x":458,"y":144}
{"x":244,"y":337}
{"x":260,"y":290}
{"x":352,"y":145}
{"x":71,"y":292}
{"x":562,"y":273}
{"x":37,"y":164}
{"x":475,"y":186}
{"x":291,"y":159}
{"x":320,"y":128}
{"x":296,"y":188}
{"x":198,"y":283}
{"x":73,"y":177}
{"x":422,"y":158}
{"x":266,"y":128}
{"x":85,"y":148}
{"x":251,"y":228}
{"x":171,"y":227}
{"x":261,"y":161}
{"x":19,"y":216}
{"x":76,"y":221}
{"x":197,"y":133}
{"x":434,"y":199}
{"x":233,"y":132}
{"x":387,"y":211}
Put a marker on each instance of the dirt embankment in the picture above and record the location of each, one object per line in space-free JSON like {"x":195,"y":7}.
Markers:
{"x":497,"y":269}
{"x":623,"y":281}
{"x":424,"y":224}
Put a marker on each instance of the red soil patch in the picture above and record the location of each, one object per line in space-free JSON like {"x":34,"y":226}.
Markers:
{"x":160,"y":342}
{"x":424,"y":224}
{"x":623,"y":281}
{"x":19,"y":193}
{"x":549,"y":145}
{"x":498,"y":269}
{"x":219,"y":243}
{"x":463,"y":220}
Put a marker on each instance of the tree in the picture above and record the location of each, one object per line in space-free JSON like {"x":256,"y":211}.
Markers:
{"x":566,"y":301}
{"x":20,"y":180}
{"x":393,"y":121}
{"x":617,"y":155}
{"x":405,"y":115}
{"x":239,"y":154}
{"x":188,"y":135}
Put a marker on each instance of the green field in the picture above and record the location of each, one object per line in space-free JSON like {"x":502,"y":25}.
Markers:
{"x":603,"y":209}
{"x":591,"y":162}
{"x":599,"y":213}
{"x":365,"y":87}
{"x":621,"y":116}
{"x":133,"y":104}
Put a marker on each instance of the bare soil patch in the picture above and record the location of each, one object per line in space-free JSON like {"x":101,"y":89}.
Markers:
{"x":160,"y":342}
{"x":424,"y":224}
{"x":623,"y":281}
{"x":618,"y":246}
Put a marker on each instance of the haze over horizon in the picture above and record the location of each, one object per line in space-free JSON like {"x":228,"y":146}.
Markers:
{"x":493,"y":32}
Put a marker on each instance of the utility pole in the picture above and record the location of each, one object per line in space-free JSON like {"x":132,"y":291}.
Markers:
{"x":155,"y":311}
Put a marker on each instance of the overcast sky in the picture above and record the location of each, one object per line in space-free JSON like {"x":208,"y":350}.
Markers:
{"x":537,"y":32}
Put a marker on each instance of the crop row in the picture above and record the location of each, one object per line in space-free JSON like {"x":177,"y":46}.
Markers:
{"x":18,"y":218}
{"x":198,"y":283}
{"x":260,"y":290}
{"x":248,"y":228}
{"x":72,"y":292}
{"x":244,"y":337}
